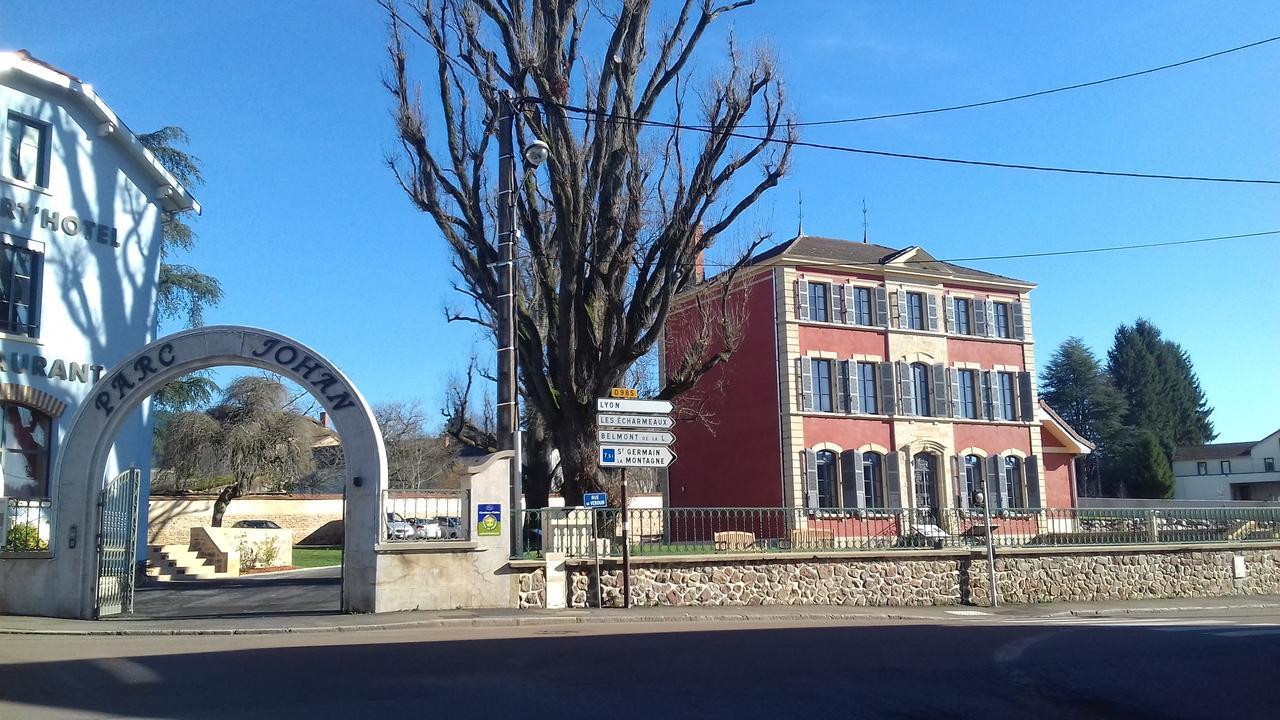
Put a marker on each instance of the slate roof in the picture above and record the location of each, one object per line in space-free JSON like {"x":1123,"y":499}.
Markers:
{"x":1217,"y":451}
{"x":847,"y":252}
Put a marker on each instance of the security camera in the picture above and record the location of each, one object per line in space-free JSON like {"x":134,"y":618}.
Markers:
{"x":535,"y":153}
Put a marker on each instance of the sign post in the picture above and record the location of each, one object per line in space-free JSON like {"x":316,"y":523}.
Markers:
{"x":632,"y":434}
{"x":595,"y":501}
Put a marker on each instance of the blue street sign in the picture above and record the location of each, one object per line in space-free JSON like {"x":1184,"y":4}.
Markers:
{"x":607,"y":455}
{"x":595,"y":500}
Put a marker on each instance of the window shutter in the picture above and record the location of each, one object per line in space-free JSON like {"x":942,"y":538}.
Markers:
{"x":906,"y":392}
{"x":881,"y":308}
{"x":949,"y":305}
{"x":995,"y":483}
{"x":940,"y":408}
{"x":1016,"y":307}
{"x":846,"y":406}
{"x":851,"y":467}
{"x":809,"y":471}
{"x":957,"y":477}
{"x":1024,"y":396}
{"x":931,"y":301}
{"x":980,"y":316}
{"x":893,"y":486}
{"x":898,"y":302}
{"x":991,"y":318}
{"x":836,"y":313}
{"x":888,"y":401}
{"x":988,"y":394}
{"x":850,"y":305}
{"x":800,"y":363}
{"x":802,"y":299}
{"x":956,"y":405}
{"x":806,"y":383}
{"x":1031,"y":472}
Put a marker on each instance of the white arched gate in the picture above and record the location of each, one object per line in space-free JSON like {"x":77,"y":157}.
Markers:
{"x":117,"y":544}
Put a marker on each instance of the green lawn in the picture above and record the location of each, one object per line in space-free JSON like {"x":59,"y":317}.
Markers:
{"x":316,"y":557}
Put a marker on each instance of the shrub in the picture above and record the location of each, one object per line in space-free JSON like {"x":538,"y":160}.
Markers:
{"x":24,"y":538}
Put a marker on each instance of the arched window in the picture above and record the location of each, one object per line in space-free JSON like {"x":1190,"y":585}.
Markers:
{"x":827,"y":479}
{"x":920,"y":389}
{"x":925,"y":469}
{"x":873,"y":479}
{"x":24,"y":452}
{"x":972,"y":475}
{"x":1014,"y":490}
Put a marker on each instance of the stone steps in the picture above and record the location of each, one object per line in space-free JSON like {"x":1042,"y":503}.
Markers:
{"x":178,"y":562}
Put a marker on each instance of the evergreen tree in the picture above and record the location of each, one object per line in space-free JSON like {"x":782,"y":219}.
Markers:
{"x":1076,"y":387}
{"x":1147,"y":471}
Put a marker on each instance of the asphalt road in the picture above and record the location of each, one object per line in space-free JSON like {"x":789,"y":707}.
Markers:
{"x":1200,"y":665}
{"x":297,"y":592}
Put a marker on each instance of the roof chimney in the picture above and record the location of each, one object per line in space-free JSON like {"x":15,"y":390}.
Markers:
{"x":324,"y":419}
{"x":699,"y":260}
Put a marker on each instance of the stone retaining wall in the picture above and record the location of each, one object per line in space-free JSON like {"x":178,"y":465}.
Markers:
{"x":945,"y":578}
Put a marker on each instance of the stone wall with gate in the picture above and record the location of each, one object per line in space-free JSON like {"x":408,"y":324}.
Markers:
{"x":909,"y":578}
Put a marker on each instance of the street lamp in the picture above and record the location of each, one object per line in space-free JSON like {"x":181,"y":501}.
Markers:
{"x":535,"y":153}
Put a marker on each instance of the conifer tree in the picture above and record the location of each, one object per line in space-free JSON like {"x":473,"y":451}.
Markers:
{"x":1076,"y":387}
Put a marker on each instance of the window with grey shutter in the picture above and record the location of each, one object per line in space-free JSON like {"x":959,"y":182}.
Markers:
{"x":949,"y":305}
{"x":1024,"y":396}
{"x":1018,"y":331}
{"x":839,"y":312}
{"x":802,"y":299}
{"x":809,"y":473}
{"x":893,"y":484}
{"x":900,"y":307}
{"x":852,"y":492}
{"x":940,"y":406}
{"x":845,"y":400}
{"x":806,"y":382}
{"x":988,"y":395}
{"x":992,"y":329}
{"x":888,"y":399}
{"x":1031,"y":471}
{"x":995,"y":483}
{"x":980,"y":317}
{"x":932,"y":302}
{"x":882,"y":307}
{"x":906,"y":391}
{"x":957,"y":481}
{"x":957,"y":402}
{"x":801,"y":396}
{"x":850,"y":305}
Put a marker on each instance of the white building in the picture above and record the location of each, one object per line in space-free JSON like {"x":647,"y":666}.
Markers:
{"x":81,"y":207}
{"x":1228,"y":471}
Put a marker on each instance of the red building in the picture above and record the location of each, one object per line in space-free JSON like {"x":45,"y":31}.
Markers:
{"x":867,"y":377}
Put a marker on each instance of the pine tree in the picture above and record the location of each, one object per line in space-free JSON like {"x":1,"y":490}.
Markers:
{"x":1076,"y":387}
{"x":1147,"y":470}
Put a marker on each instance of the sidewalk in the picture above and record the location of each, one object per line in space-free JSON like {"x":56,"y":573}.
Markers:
{"x":334,"y":622}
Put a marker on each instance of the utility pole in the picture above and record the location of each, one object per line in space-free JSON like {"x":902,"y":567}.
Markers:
{"x":991,"y":548}
{"x":508,"y":402}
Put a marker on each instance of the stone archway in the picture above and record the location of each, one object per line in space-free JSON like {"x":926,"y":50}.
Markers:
{"x":69,"y":583}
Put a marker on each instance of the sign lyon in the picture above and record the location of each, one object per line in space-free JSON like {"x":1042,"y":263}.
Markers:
{"x":611,"y":405}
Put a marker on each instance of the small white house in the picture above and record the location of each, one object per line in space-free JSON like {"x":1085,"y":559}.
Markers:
{"x":81,"y":208}
{"x":1228,"y":471}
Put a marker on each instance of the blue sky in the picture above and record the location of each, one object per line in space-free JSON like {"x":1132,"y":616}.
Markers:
{"x":310,"y":235}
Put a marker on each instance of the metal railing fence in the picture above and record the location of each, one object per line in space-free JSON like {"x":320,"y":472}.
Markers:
{"x":686,"y":531}
{"x":426,"y":515}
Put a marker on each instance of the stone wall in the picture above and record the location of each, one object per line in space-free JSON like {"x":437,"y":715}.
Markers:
{"x":941,"y":578}
{"x":315,"y":520}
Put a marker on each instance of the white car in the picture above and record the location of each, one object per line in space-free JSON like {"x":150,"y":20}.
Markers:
{"x":397,"y":528}
{"x":426,"y":528}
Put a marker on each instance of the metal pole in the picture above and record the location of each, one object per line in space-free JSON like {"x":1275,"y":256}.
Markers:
{"x":508,"y":403}
{"x":991,"y":549}
{"x":595,"y":552}
{"x":626,"y":545}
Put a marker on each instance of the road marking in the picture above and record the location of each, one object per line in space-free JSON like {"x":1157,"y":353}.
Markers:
{"x":968,"y":613}
{"x":128,"y":671}
{"x":1249,"y":633}
{"x":1118,"y":622}
{"x":1011,"y":651}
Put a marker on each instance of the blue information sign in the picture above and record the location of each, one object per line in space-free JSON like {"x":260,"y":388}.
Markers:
{"x":595,"y":500}
{"x":489,"y":519}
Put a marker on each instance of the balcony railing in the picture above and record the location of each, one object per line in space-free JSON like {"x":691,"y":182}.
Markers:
{"x":426,"y":515}
{"x":582,"y":533}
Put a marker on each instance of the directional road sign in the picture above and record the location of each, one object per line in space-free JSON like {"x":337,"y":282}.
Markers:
{"x":595,"y":500}
{"x":656,"y":422}
{"x":635,"y":437}
{"x":635,"y":456}
{"x":612,"y":405}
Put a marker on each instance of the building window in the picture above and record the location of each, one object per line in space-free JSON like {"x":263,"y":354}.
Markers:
{"x":862,"y":305}
{"x":1007,"y":404}
{"x":915,"y":311}
{"x":822,"y":395}
{"x":972,"y":476}
{"x":920,"y":386}
{"x":867,"y":388}
{"x":1202,"y":468}
{"x":925,"y":469}
{"x":819,"y":302}
{"x":25,"y":144}
{"x":827,"y":479}
{"x":19,"y":274}
{"x":1268,"y":464}
{"x":969,"y":394}
{"x":1002,"y":320}
{"x":24,"y":452}
{"x":1226,"y":467}
{"x":1014,"y":491}
{"x":873,"y":479}
{"x":964,"y":316}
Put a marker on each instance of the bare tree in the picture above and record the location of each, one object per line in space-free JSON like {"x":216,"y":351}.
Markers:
{"x":416,"y":458}
{"x":611,"y":237}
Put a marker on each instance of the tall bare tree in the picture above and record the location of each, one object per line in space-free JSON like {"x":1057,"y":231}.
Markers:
{"x":610,"y":237}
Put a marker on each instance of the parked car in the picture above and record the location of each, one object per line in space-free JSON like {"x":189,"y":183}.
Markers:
{"x":398,"y":528}
{"x":257,"y":524}
{"x":426,"y":528}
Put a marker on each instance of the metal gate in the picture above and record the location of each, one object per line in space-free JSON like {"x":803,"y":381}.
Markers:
{"x":117,"y":543}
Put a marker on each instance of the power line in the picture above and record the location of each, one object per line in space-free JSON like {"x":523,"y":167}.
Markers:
{"x":1024,"y":96}
{"x":903,"y":156}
